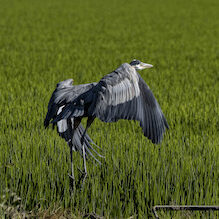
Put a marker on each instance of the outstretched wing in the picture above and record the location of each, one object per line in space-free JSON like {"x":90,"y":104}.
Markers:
{"x":123,"y":94}
{"x":64,"y":93}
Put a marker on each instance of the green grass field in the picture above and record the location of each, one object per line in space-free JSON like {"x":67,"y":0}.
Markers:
{"x":44,"y":42}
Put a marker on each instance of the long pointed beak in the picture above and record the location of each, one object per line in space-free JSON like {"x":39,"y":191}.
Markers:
{"x":145,"y":65}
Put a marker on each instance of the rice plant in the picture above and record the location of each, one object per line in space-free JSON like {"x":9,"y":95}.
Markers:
{"x":44,"y":42}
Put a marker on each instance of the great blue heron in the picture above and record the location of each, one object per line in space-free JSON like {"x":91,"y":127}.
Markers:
{"x":72,"y":132}
{"x":121,"y":94}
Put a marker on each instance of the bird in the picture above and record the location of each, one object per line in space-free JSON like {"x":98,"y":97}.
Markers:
{"x":64,"y":93}
{"x":121,"y":94}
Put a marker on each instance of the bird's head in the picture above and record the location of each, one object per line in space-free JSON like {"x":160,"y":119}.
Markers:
{"x":138,"y":65}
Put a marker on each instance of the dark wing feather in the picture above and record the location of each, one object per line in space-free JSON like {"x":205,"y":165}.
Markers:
{"x":122,"y":94}
{"x":122,"y":97}
{"x":64,"y":93}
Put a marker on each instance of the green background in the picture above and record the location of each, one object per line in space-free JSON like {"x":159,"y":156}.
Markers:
{"x":44,"y":42}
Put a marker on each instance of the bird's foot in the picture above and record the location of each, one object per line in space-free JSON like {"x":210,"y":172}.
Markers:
{"x":83,"y":177}
{"x":83,"y":173}
{"x":71,"y":177}
{"x":71,"y":183}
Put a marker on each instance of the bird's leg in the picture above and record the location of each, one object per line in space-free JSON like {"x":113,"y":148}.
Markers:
{"x":83,"y":151}
{"x":84,"y":159}
{"x":72,"y":176}
{"x":89,"y":122}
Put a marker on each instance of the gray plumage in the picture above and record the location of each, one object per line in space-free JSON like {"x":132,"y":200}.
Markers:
{"x":65,"y":93}
{"x":122,"y":94}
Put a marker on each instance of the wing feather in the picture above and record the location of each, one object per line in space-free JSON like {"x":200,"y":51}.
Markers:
{"x":122,"y":94}
{"x":126,"y":97}
{"x":64,"y":93}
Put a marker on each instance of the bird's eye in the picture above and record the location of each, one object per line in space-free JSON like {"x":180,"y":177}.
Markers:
{"x":135,"y":62}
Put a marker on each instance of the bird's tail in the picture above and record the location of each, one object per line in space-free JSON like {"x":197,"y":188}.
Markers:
{"x":73,"y":138}
{"x":88,"y":144}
